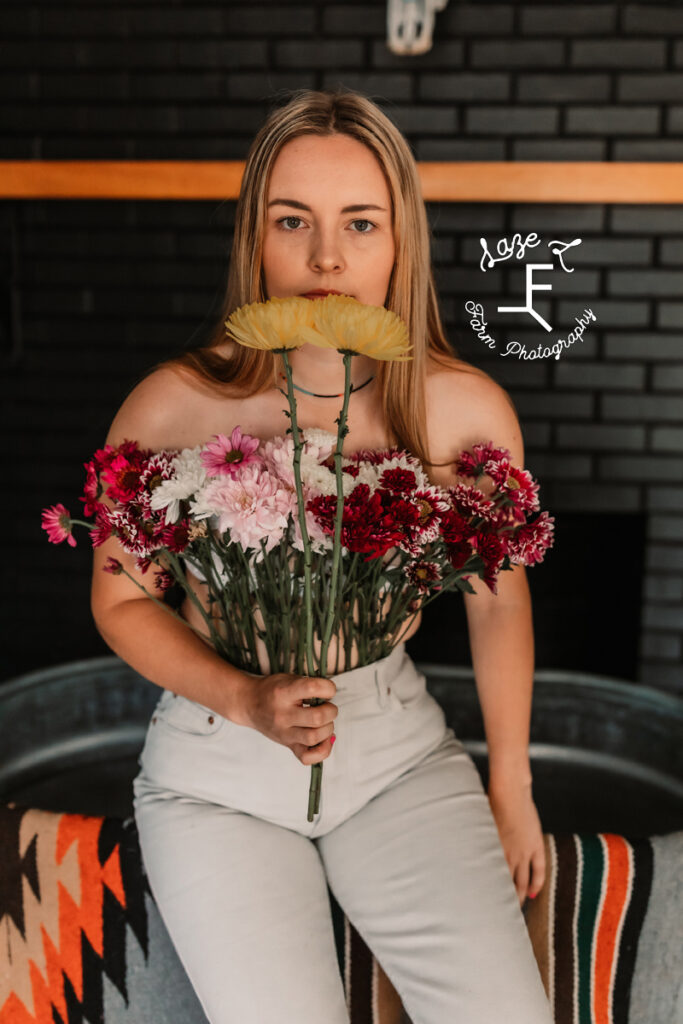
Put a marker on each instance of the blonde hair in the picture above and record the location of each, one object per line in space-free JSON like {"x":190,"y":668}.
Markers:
{"x":412,"y":293}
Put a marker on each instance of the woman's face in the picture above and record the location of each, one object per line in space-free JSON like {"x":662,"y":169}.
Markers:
{"x":312,"y":239}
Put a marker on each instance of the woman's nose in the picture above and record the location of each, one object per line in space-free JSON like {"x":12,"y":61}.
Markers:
{"x":326,"y":254}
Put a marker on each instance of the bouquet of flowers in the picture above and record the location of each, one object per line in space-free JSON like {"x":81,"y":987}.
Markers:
{"x":295,"y":542}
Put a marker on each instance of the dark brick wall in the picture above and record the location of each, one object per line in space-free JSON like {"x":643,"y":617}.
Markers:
{"x":97,"y":291}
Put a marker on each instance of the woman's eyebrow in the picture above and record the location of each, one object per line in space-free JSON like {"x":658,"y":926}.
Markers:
{"x":356,"y":208}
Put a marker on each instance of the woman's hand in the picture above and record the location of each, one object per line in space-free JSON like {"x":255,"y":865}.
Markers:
{"x":521,"y":835}
{"x":278,"y":706}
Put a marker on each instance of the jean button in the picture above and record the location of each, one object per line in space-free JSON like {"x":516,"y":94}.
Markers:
{"x":210,"y":719}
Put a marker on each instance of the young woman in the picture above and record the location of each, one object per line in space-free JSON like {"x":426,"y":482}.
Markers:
{"x":429,"y":868}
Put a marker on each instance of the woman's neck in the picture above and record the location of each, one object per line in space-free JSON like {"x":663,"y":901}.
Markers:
{"x":322,"y":372}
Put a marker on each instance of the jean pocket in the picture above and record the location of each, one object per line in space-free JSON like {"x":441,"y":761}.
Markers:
{"x":407,"y":691}
{"x":187,"y":716}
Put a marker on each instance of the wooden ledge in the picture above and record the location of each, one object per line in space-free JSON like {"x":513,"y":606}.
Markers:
{"x":463,"y":182}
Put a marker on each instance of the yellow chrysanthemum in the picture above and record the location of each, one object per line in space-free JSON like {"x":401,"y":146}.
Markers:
{"x":347,"y":324}
{"x":279,"y":323}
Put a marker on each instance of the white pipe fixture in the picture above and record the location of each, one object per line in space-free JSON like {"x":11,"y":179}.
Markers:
{"x":410,"y":24}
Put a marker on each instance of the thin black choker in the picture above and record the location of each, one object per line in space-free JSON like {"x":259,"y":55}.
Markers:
{"x":340,"y":395}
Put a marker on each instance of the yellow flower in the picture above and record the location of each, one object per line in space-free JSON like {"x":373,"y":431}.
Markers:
{"x":349,"y":325}
{"x":335,"y":321}
{"x":279,"y":323}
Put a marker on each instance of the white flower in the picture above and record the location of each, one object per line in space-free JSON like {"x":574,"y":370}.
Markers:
{"x":189,"y":476}
{"x":319,"y":443}
{"x":321,"y":480}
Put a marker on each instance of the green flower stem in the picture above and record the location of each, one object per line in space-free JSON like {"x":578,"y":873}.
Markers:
{"x":302,"y":516}
{"x":179,"y":574}
{"x":316,"y":769}
{"x":342,"y":431}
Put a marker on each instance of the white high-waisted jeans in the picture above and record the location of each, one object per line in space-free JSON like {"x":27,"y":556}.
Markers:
{"x":404,"y":837}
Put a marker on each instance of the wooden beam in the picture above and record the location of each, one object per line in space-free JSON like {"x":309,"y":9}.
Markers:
{"x":472,"y":182}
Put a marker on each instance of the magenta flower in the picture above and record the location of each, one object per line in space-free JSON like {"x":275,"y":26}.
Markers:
{"x":227,"y":456}
{"x":113,"y":566}
{"x":57,"y":521}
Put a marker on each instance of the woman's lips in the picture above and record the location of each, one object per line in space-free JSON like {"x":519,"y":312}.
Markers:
{"x":321,"y":295}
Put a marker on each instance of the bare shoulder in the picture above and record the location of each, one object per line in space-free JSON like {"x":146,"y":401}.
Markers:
{"x":155,"y":410}
{"x":467,"y":406}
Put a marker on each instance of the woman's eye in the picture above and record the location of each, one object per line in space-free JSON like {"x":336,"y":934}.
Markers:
{"x":282,"y":220}
{"x":283,"y":223}
{"x":372,"y":225}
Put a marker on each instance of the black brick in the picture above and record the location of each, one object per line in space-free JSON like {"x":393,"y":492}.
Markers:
{"x":661,"y":645}
{"x":674,"y":123}
{"x":349,"y":21}
{"x":670,"y":315}
{"x":665,"y":556}
{"x":662,"y":218}
{"x":641,"y":467}
{"x":665,"y":528}
{"x":319,"y":54}
{"x":423,"y":119}
{"x":600,"y":436}
{"x":568,"y":19}
{"x":505,"y":53}
{"x":652,"y":19}
{"x":86,"y":86}
{"x":661,"y":499}
{"x":210,"y":53}
{"x":558,"y":87}
{"x":559,"y":149}
{"x":551,"y":466}
{"x":643,"y":346}
{"x":83,"y":22}
{"x":663,"y":616}
{"x":512,"y":120}
{"x":606,"y":251}
{"x":651,"y":408}
{"x":668,"y":378}
{"x":464,"y":86}
{"x":610,"y":120}
{"x":644,"y":282}
{"x":664,"y":86}
{"x":545,"y":217}
{"x":250,"y":85}
{"x":599,"y":375}
{"x":388,"y":84}
{"x":657,"y":150}
{"x":554,"y":405}
{"x":280,"y":20}
{"x":671,"y":250}
{"x":459,"y":149}
{"x":475,"y":19}
{"x":618,"y":53}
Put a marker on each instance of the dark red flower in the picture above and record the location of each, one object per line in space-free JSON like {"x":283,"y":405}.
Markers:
{"x":163,"y":579}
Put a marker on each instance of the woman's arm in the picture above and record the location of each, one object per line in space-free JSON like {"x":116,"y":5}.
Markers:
{"x":146,"y":636}
{"x":502,"y":646}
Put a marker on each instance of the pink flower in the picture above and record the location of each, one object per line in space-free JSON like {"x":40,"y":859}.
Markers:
{"x":56,"y":520}
{"x":113,"y":566}
{"x":228,"y":456}
{"x":253,"y":507}
{"x":92,"y":489}
{"x":481,"y":459}
{"x":531,"y":541}
{"x":517,"y":484}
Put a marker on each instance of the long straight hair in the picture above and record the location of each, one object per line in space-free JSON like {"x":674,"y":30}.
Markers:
{"x":412,"y":293}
